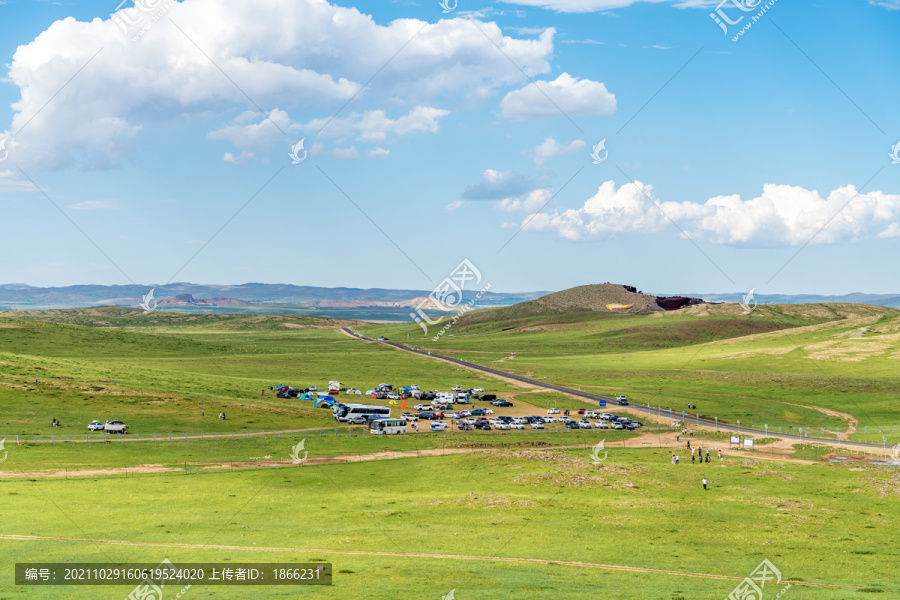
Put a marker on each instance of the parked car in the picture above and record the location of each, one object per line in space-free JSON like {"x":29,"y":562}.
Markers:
{"x":601,"y":425}
{"x":115,"y":427}
{"x":585,"y":424}
{"x":520,"y":420}
{"x":483,"y":425}
{"x":622,"y":400}
{"x":428,"y":416}
{"x":477,"y":412}
{"x":590,"y":414}
{"x":357,"y":420}
{"x":456,"y":388}
{"x":488,"y":411}
{"x":617,"y":425}
{"x":502,"y":402}
{"x":312,"y":388}
{"x":572,"y":425}
{"x":550,"y":420}
{"x":581,"y":411}
{"x":439,"y":426}
{"x":465,"y":413}
{"x":488,"y":397}
{"x":515,"y":425}
{"x":552,"y":411}
{"x":463,"y":426}
{"x":410,"y":417}
{"x":453,"y":415}
{"x":505,"y":418}
{"x":498,"y":424}
{"x":537,"y":425}
{"x":478,"y":389}
{"x":604,"y":416}
{"x":422,"y":406}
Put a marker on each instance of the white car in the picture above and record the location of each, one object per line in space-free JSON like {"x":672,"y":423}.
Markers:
{"x":519,"y":420}
{"x":590,"y":414}
{"x":617,"y":425}
{"x":499,"y":424}
{"x":552,"y":411}
{"x":423,"y":407}
{"x":313,"y":388}
{"x":604,"y":416}
{"x":478,"y":389}
{"x":488,"y":411}
{"x":551,"y":420}
{"x":585,"y":424}
{"x":601,"y":425}
{"x":537,"y":425}
{"x":465,"y":413}
{"x":456,"y":388}
{"x":438,"y":426}
{"x":95,"y":426}
{"x":393,"y":396}
{"x":515,"y":425}
{"x":453,"y":415}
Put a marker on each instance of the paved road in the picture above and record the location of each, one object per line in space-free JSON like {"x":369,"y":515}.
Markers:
{"x":611,"y":401}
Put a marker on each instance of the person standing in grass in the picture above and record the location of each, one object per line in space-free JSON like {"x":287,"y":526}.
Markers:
{"x":677,"y":458}
{"x":673,"y":459}
{"x":704,"y":483}
{"x":720,"y":454}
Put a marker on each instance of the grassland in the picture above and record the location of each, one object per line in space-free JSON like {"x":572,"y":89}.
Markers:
{"x":478,"y":513}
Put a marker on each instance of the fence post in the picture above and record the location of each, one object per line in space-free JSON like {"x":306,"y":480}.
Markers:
{"x":278,"y":433}
{"x":170,"y":437}
{"x":70,"y":439}
{"x":52,"y":438}
{"x":217,"y":436}
{"x":185,"y":436}
{"x":232,"y":435}
{"x":201,"y":436}
{"x":137,"y":437}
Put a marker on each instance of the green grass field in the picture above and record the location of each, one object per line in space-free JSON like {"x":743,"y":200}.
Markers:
{"x":489,"y":515}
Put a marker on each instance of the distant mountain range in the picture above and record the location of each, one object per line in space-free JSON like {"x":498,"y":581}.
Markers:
{"x":257,"y":296}
{"x":887,"y":300}
{"x":283,"y":298}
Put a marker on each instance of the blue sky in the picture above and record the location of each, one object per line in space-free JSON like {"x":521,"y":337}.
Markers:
{"x":431,"y":137}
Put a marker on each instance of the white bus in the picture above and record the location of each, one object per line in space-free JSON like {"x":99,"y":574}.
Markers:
{"x":388,"y":426}
{"x":346,"y":412}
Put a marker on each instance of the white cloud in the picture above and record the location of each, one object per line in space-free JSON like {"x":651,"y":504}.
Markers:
{"x":239,"y":159}
{"x":375,"y":125}
{"x":888,"y":4}
{"x":298,"y":55}
{"x":92,"y":205}
{"x":892,"y":231}
{"x":566,"y":94}
{"x":584,"y":6}
{"x":453,"y":205}
{"x":344,"y":153}
{"x":535,"y":200}
{"x":551,"y":148}
{"x":782,"y":216}
{"x":378,"y":152}
{"x":496,"y":185}
{"x":255,"y":136}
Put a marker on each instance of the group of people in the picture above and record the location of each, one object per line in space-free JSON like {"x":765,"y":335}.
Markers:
{"x":54,"y":422}
{"x":692,"y":407}
{"x":696,"y":454}
{"x":221,"y":416}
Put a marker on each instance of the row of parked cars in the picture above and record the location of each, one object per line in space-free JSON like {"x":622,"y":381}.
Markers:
{"x":603,"y":420}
